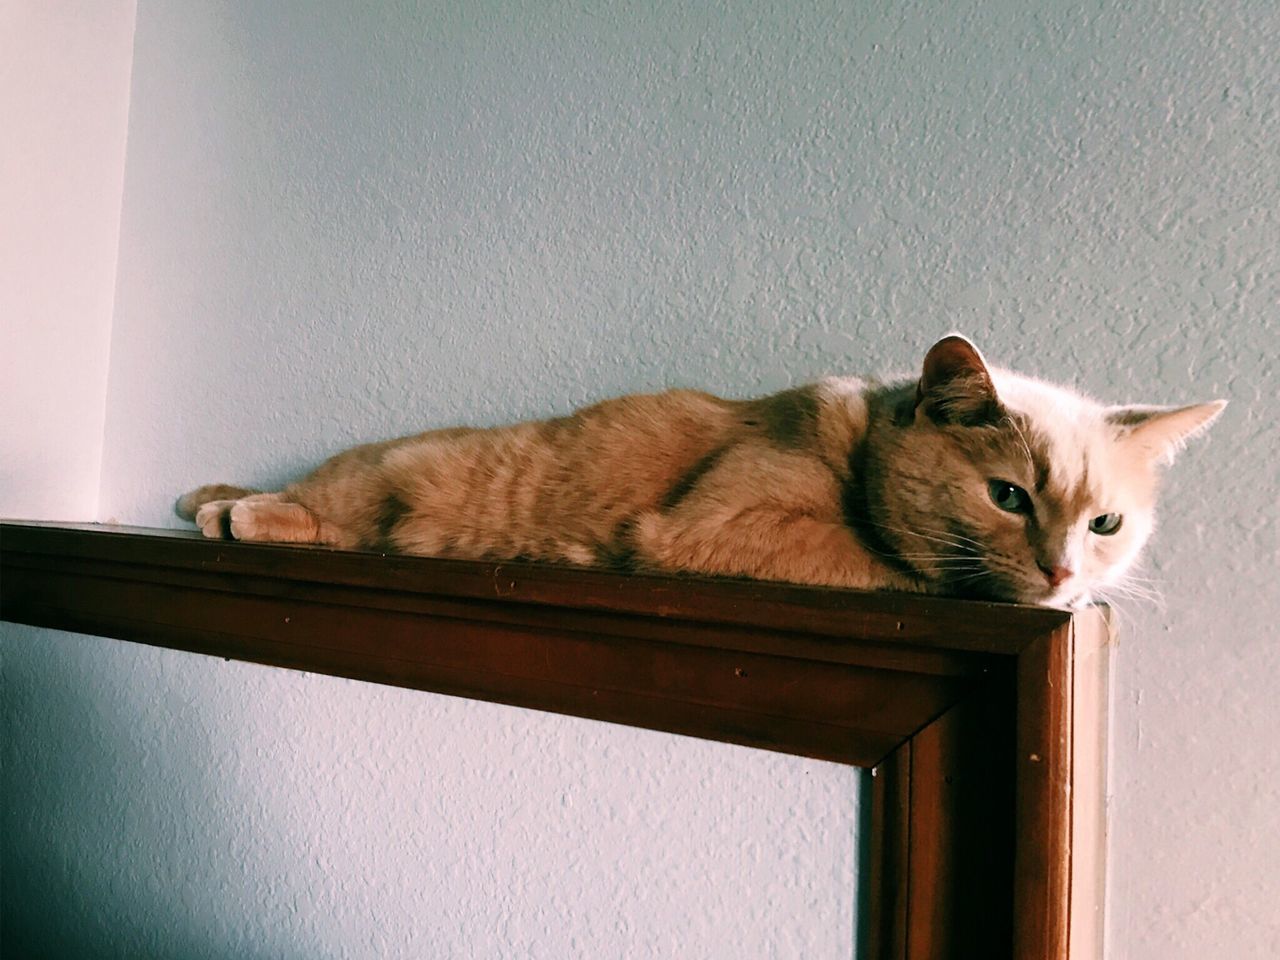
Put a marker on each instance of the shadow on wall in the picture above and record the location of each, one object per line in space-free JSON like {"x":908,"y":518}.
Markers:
{"x":87,"y":849}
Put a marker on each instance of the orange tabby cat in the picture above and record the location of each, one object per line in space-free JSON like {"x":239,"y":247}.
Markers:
{"x":969,"y":481}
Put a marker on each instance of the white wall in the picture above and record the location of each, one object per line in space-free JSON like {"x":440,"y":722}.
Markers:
{"x":64,"y":100}
{"x":342,"y":223}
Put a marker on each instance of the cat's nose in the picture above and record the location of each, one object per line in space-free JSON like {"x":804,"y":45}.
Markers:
{"x":1056,"y":575}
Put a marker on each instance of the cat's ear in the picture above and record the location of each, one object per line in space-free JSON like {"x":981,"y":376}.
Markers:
{"x":1160,"y":432}
{"x":955,"y":386}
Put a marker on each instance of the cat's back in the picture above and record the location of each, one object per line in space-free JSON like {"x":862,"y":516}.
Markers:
{"x":573,"y":479}
{"x":651,"y":441}
{"x":581,"y":478}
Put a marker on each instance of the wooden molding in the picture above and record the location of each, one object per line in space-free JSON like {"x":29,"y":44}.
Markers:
{"x":981,"y":722}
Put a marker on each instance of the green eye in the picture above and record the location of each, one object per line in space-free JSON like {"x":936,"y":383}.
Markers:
{"x":1009,"y":496}
{"x":1106,"y":524}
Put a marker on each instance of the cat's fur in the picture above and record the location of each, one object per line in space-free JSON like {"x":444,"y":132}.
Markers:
{"x":844,"y":482}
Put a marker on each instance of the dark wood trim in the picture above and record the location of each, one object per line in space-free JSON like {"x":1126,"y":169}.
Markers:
{"x":678,"y":655}
{"x":963,"y":710}
{"x":886,"y":866}
{"x":1043,"y":773}
{"x":962,"y":834}
{"x":964,"y":625}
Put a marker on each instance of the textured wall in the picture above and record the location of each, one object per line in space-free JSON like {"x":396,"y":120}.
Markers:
{"x":203,"y":809}
{"x":343,"y":223}
{"x":64,"y":105}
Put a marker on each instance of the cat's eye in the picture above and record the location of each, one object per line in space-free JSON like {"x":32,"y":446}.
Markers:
{"x":1009,"y":496}
{"x":1105,"y":524}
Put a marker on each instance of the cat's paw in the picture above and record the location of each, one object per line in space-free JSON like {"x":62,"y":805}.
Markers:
{"x":214,"y":519}
{"x":245,"y":523}
{"x":189,"y":504}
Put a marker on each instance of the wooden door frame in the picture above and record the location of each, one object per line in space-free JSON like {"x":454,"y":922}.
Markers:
{"x":1036,"y":734}
{"x":983,"y":725}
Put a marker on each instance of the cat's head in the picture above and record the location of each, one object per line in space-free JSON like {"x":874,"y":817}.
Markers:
{"x":1002,"y":486}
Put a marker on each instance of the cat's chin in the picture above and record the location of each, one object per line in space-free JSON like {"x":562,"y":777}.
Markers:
{"x":1078,"y":601}
{"x":992,"y":590}
{"x":1032,"y":595}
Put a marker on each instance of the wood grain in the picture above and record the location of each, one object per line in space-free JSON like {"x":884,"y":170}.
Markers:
{"x":1043,"y":771}
{"x":886,"y":880}
{"x":919,"y":620}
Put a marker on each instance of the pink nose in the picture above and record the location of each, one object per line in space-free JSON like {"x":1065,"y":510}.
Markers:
{"x":1056,"y":575}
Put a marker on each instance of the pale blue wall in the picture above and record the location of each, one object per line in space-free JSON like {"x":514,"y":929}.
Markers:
{"x":168,"y":805}
{"x":344,"y":222}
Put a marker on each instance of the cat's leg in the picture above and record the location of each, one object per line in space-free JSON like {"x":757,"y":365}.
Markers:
{"x":768,"y":515}
{"x":268,"y":519}
{"x":213,"y":517}
{"x":189,"y":504}
{"x":764,"y":544}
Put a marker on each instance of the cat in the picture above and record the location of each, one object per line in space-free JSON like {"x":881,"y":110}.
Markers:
{"x":968,"y":481}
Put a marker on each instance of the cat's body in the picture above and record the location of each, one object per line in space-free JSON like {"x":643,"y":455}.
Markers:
{"x":845,"y":483}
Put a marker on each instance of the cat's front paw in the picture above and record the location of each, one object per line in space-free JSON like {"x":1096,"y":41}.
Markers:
{"x":246,"y":523}
{"x":214,"y":519}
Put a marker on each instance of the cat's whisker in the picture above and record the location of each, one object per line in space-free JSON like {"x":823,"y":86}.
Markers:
{"x":1130,"y":578}
{"x":896,"y":529}
{"x":1135,"y":586}
{"x":973,"y":575}
{"x":1140,"y":593}
{"x":1022,"y":438}
{"x":942,"y":558}
{"x":944,"y":537}
{"x":923,"y":536}
{"x":1114,"y":591}
{"x":954,"y":566}
{"x":937,"y":556}
{"x":1119,"y":613}
{"x":947,"y":534}
{"x":950,"y":534}
{"x":1136,"y":589}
